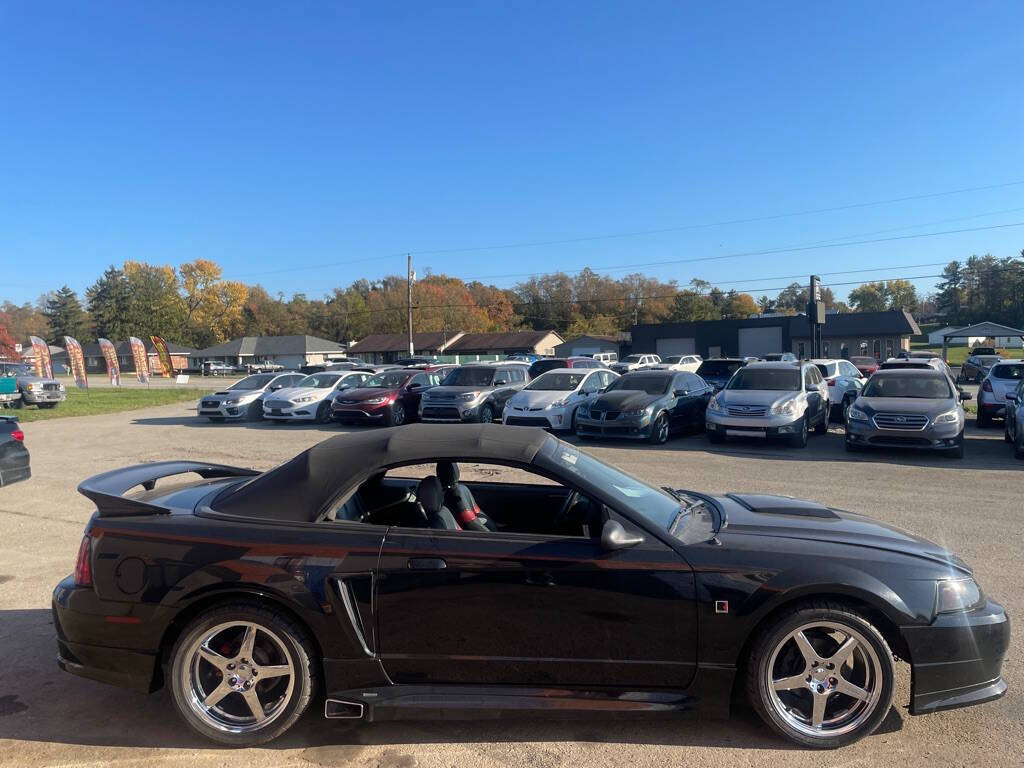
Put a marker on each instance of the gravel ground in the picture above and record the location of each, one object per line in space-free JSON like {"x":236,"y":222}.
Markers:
{"x":48,"y":717}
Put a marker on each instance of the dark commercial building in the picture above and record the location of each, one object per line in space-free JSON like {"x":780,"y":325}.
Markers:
{"x":876,"y":334}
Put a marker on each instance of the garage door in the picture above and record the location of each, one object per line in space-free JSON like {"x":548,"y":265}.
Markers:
{"x":588,"y":351}
{"x":760,"y":341}
{"x":666,"y":347}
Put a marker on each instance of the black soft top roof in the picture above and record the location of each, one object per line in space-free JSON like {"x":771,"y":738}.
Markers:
{"x":302,"y":488}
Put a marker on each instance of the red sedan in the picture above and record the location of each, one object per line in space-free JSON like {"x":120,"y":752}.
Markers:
{"x":390,"y":397}
{"x":866,"y":365}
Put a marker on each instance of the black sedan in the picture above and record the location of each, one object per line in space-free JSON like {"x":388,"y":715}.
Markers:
{"x":14,"y":458}
{"x":357,"y":577}
{"x":646,"y":405}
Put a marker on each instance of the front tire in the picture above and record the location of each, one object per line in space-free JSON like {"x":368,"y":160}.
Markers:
{"x":821,"y":675}
{"x":323,"y":413}
{"x":486,"y":413}
{"x":397,"y":415}
{"x":659,"y":430}
{"x":255,"y":411}
{"x":242,"y":674}
{"x":799,"y":440}
{"x":822,"y":427}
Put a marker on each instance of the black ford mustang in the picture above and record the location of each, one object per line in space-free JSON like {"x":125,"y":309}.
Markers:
{"x":337,"y":576}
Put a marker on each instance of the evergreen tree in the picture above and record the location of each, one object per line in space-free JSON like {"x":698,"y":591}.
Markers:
{"x":66,"y":317}
{"x":109,"y":301}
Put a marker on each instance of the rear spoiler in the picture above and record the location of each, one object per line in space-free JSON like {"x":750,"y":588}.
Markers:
{"x":107,"y":490}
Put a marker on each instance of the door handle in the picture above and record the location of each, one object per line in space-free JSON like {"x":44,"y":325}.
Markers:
{"x":427,"y":563}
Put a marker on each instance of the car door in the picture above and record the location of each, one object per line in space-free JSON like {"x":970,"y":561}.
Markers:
{"x":814,"y":395}
{"x":492,"y":608}
{"x":412,"y":392}
{"x":682,"y":410}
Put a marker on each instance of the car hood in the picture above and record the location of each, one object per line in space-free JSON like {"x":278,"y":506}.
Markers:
{"x":785,"y":517}
{"x":905,"y":405}
{"x":239,"y":393}
{"x":623,"y":400}
{"x":361,"y":394}
{"x":539,"y":398}
{"x":319,"y":393}
{"x":36,"y":380}
{"x":765,"y":397}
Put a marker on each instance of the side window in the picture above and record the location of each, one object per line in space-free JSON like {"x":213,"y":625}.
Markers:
{"x":679,"y":382}
{"x":420,"y":380}
{"x":809,"y":382}
{"x":520,"y":374}
{"x":693,"y":381}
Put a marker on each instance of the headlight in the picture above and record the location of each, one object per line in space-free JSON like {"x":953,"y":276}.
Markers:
{"x":584,"y":411}
{"x":559,"y":403}
{"x":305,"y":399}
{"x":232,"y":401}
{"x":379,"y":400}
{"x":715,"y":404}
{"x":635,"y":412}
{"x":856,"y":414}
{"x":786,"y":407}
{"x":469,"y":396}
{"x":956,"y":595}
{"x":32,"y":387}
{"x":949,"y":417}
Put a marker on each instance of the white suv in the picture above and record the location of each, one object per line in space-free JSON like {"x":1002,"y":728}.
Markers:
{"x":633,"y":362}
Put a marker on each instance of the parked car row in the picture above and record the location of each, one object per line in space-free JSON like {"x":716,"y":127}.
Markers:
{"x":28,"y":389}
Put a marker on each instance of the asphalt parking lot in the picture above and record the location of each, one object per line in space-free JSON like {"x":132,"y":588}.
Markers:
{"x":47,"y":717}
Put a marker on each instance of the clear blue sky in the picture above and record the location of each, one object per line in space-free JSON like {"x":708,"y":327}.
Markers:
{"x":275,"y":137}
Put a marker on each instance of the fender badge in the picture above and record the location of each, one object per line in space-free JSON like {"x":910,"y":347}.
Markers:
{"x":721,"y":606}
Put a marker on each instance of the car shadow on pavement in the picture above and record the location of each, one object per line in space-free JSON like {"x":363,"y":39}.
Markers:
{"x":41,"y":703}
{"x":204,"y":423}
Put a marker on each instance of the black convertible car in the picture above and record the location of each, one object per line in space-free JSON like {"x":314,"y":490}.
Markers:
{"x":364,"y":575}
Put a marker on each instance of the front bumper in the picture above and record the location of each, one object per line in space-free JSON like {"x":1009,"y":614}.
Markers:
{"x":296,"y":412}
{"x":450,"y":411}
{"x":752,"y":426}
{"x":558,"y":419}
{"x":43,"y":396}
{"x":631,"y":427}
{"x":935,"y":437}
{"x":956,"y":661}
{"x":90,"y":645}
{"x":368,"y":412}
{"x":223,"y":411}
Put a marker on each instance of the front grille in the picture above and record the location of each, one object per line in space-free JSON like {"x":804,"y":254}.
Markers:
{"x":440,"y":412}
{"x":905,"y":421}
{"x":210,"y":404}
{"x":747,"y":410}
{"x":277,"y":404}
{"x":526,"y":421}
{"x":894,"y":440}
{"x":51,"y":387}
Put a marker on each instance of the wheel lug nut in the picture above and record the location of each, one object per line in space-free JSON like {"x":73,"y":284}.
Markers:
{"x":231,"y":666}
{"x":821,"y":689}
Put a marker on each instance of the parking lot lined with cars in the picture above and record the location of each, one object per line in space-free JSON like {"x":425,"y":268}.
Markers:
{"x":91,"y":723}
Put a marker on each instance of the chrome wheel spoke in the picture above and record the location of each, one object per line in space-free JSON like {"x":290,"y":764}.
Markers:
{"x":274,"y":671}
{"x":217,"y":694}
{"x":208,"y":654}
{"x":818,"y":709}
{"x":844,"y":651}
{"x":789,"y":683}
{"x":851,"y":690}
{"x":806,"y":649}
{"x":252,"y":699}
{"x":248,"y":642}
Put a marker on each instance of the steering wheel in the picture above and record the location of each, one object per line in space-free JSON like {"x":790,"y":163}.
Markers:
{"x":562,"y":518}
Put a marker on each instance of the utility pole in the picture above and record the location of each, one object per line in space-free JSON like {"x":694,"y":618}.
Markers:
{"x":408,"y":305}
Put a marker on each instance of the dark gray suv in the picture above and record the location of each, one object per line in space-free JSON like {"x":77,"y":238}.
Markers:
{"x":908,"y":409}
{"x":473,"y":393}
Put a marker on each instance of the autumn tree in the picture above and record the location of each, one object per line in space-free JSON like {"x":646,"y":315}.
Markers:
{"x":869,"y":297}
{"x":213,"y":306}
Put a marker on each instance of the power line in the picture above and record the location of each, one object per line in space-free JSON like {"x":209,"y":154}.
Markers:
{"x":638,"y":233}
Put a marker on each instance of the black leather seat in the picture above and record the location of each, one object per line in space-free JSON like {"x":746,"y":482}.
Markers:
{"x":430,"y":496}
{"x":459,"y":499}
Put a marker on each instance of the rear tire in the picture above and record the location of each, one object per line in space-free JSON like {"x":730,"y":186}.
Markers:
{"x":849,"y":699}
{"x":822,"y":427}
{"x":279,"y":643}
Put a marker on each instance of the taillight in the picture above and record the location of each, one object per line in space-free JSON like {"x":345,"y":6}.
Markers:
{"x":83,"y":565}
{"x":18,"y":435}
{"x":831,"y":382}
{"x":986,"y":385}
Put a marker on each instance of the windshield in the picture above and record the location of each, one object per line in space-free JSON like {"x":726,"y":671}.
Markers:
{"x":469,"y":377}
{"x":556,"y":382}
{"x":922,"y":387}
{"x":718,"y":368}
{"x":387,"y":380}
{"x":643,"y":382}
{"x":1008,"y":372}
{"x":781,"y":379}
{"x":989,"y":359}
{"x":257,"y":381}
{"x":320,"y":381}
{"x":18,"y":370}
{"x":654,"y":504}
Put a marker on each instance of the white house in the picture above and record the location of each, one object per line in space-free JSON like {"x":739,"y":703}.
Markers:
{"x":1001,"y":342}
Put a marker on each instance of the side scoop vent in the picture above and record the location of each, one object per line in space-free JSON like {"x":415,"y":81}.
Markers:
{"x":782,"y":505}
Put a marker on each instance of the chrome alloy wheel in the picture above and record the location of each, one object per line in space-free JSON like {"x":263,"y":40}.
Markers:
{"x":238,"y":677}
{"x":825,"y":679}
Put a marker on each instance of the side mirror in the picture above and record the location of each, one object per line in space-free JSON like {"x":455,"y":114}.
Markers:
{"x":500,"y":382}
{"x":965,"y":396}
{"x":680,"y":393}
{"x":414,"y":385}
{"x":1011,"y":397}
{"x":275,"y":387}
{"x":614,"y":536}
